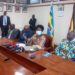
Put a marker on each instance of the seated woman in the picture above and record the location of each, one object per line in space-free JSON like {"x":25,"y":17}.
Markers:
{"x":25,"y":34}
{"x":38,"y":38}
{"x":66,"y":48}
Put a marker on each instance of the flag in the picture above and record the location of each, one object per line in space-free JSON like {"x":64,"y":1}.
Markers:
{"x":71,"y":28}
{"x":50,"y":30}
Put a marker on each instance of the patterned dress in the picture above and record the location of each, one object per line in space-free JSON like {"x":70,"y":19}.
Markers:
{"x":39,"y":40}
{"x":66,"y":49}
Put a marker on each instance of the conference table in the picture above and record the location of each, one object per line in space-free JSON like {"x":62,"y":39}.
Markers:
{"x":21,"y":64}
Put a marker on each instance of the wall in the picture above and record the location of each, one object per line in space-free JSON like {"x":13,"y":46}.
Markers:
{"x":61,"y":24}
{"x":19,"y":19}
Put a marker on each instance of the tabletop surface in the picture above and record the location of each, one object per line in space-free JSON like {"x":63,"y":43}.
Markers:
{"x":21,"y":64}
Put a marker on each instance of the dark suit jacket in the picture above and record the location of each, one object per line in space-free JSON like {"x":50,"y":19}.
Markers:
{"x":1,"y":21}
{"x":32,"y":23}
{"x":27,"y":34}
{"x":15,"y":34}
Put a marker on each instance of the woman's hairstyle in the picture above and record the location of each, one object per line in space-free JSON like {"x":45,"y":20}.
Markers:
{"x":40,"y":26}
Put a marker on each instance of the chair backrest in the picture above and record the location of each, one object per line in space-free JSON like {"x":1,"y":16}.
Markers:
{"x":15,"y":34}
{"x":48,"y":42}
{"x":18,"y":35}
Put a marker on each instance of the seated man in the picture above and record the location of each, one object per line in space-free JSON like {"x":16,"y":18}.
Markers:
{"x":13,"y":32}
{"x":66,"y":48}
{"x":25,"y":34}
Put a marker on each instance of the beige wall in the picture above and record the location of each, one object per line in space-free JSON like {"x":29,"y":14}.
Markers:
{"x":61,"y":23}
{"x":19,"y":19}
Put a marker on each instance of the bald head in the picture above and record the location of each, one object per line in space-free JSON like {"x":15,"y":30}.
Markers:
{"x":26,"y":27}
{"x":12,"y":26}
{"x":33,"y":16}
{"x":71,"y":36}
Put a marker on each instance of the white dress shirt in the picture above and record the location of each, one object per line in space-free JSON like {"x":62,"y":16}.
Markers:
{"x":4,"y":20}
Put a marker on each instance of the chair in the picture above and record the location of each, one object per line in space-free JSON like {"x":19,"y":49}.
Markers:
{"x":15,"y":34}
{"x":48,"y":43}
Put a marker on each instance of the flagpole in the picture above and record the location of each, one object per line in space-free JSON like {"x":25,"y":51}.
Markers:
{"x":51,"y":3}
{"x":52,"y":28}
